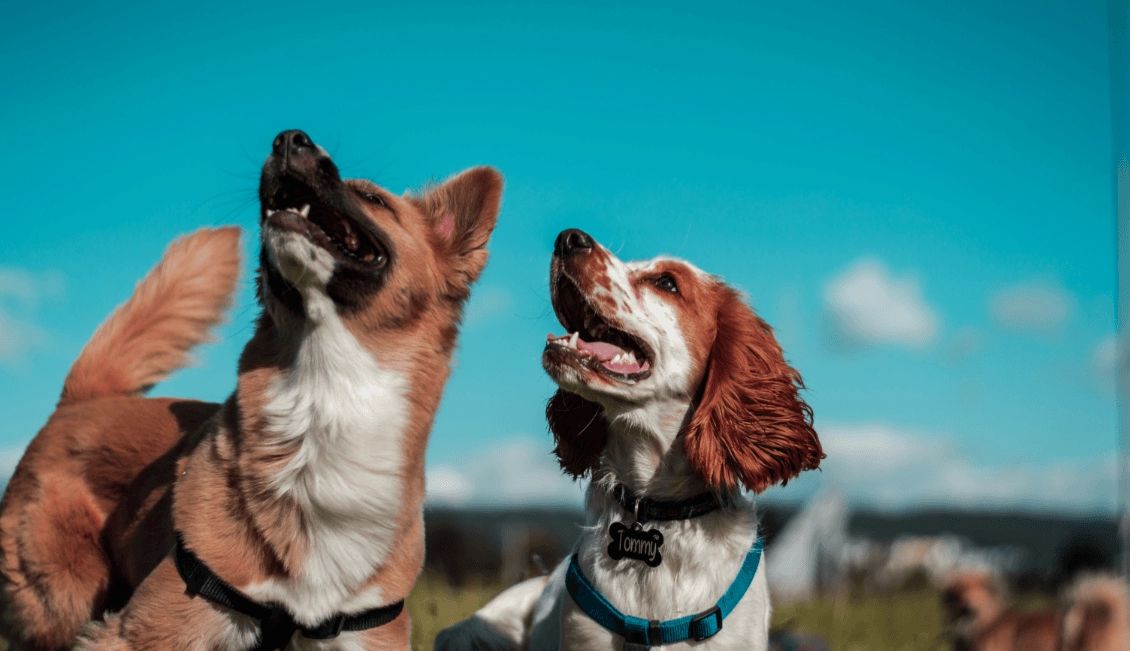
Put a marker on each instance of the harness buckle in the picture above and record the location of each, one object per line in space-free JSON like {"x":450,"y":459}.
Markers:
{"x":697,"y":627}
{"x":642,"y":639}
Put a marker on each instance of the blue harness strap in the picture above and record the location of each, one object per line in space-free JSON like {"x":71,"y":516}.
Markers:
{"x":654,"y":632}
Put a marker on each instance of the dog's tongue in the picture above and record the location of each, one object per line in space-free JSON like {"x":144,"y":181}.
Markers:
{"x":602,"y":349}
{"x":610,"y":356}
{"x":607,"y":354}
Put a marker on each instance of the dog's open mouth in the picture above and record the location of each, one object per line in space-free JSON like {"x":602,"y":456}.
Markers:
{"x":298,"y":208}
{"x":593,"y":341}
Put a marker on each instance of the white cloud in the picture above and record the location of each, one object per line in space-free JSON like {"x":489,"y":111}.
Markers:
{"x":876,"y":447}
{"x":29,"y":287}
{"x":512,"y":472}
{"x":1104,"y":359}
{"x":446,"y":485}
{"x":20,"y":293}
{"x":884,"y":466}
{"x":18,"y":283}
{"x":487,"y":303}
{"x":1105,"y":362}
{"x":9,"y":457}
{"x":867,"y":305}
{"x":1033,"y":306}
{"x":872,"y":464}
{"x":17,"y":337}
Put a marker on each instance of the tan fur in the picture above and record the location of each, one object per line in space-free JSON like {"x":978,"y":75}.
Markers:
{"x":171,"y":311}
{"x":1096,"y":618}
{"x":1097,"y":615}
{"x":750,"y":427}
{"x":88,"y":519}
{"x":76,"y":474}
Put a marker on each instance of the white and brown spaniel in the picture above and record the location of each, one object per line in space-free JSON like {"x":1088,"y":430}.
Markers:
{"x":676,"y":399}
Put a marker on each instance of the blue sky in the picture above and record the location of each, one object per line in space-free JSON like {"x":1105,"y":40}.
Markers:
{"x":919,"y":198}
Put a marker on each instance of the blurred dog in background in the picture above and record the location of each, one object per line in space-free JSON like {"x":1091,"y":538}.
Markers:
{"x":1095,"y":616}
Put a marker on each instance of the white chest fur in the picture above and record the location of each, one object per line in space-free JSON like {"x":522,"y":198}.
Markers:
{"x":701,"y":558}
{"x":348,"y":416}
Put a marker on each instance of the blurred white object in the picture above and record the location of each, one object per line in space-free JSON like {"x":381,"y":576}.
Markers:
{"x":812,"y":553}
{"x":936,"y":557}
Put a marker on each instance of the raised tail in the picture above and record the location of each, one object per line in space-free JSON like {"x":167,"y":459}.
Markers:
{"x":1098,"y":615}
{"x":172,"y":309}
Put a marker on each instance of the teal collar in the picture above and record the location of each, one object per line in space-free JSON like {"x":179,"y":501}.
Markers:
{"x":653,"y":632}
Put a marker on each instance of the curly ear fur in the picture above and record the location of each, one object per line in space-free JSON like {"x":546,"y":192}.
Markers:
{"x":750,"y":426}
{"x":579,"y":430}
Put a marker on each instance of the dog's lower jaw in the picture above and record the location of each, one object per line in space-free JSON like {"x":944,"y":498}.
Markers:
{"x":306,"y":267}
{"x":300,"y":261}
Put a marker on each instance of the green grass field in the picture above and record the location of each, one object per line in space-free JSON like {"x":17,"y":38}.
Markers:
{"x":909,"y":620}
{"x":906,"y":621}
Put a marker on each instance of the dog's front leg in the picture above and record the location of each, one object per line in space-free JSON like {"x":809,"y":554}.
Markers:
{"x":161,"y":616}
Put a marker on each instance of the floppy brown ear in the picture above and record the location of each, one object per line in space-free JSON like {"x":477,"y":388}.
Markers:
{"x":462,"y":212}
{"x":750,"y":426}
{"x":579,"y":430}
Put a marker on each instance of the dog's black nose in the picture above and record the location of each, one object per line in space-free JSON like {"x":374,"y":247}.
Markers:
{"x":292,"y":142}
{"x":572,"y":241}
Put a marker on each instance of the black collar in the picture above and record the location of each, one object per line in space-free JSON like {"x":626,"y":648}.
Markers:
{"x":276,"y":625}
{"x":645,"y":508}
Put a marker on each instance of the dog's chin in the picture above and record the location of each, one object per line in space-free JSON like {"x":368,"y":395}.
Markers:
{"x":297,"y":272}
{"x":299,"y":261}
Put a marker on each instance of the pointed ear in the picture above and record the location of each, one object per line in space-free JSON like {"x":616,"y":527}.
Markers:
{"x":461,"y":213}
{"x":579,"y":430}
{"x":750,"y":426}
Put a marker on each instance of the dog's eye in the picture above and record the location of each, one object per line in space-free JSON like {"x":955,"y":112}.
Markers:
{"x":380,"y":261}
{"x":666,"y":282}
{"x":374,"y":198}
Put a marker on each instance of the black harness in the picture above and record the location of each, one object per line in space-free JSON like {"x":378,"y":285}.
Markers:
{"x":276,"y":625}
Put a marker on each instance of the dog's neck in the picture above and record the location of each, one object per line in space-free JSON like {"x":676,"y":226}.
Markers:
{"x":318,"y":392}
{"x":327,"y":364}
{"x":645,"y":451}
{"x":330,"y":440}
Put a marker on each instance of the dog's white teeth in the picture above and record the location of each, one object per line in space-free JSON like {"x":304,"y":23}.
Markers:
{"x":618,"y":359}
{"x":304,"y":210}
{"x":630,"y":358}
{"x":573,"y":340}
{"x":271,"y":211}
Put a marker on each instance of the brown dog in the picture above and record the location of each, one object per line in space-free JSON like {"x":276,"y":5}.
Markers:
{"x":1096,"y":617}
{"x":303,"y":491}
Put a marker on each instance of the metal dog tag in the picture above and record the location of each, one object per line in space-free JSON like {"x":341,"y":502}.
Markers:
{"x":636,"y":543}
